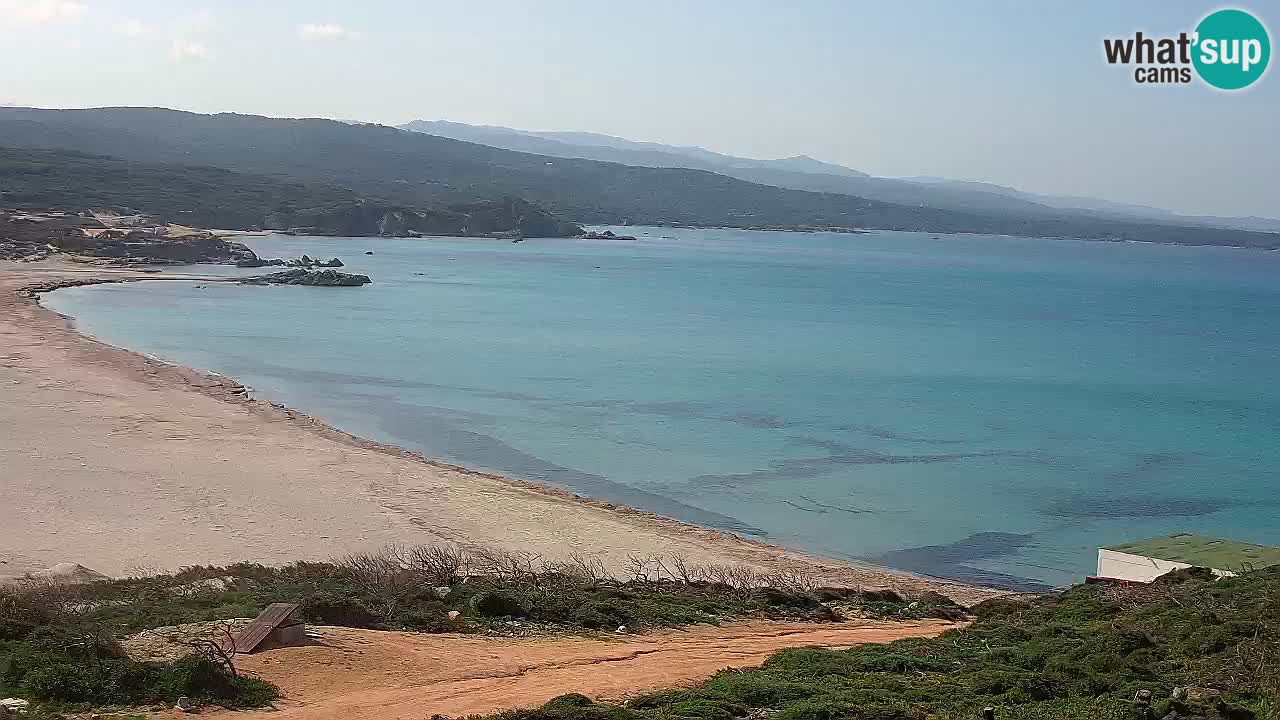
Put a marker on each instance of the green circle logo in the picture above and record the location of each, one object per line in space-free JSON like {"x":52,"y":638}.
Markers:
{"x":1232,"y":49}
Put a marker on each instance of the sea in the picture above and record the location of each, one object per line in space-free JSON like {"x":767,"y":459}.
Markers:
{"x":989,"y":409}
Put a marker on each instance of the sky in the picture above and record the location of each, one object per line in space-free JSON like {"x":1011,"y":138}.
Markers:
{"x":1015,"y":93}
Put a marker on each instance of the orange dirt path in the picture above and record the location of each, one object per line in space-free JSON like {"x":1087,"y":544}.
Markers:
{"x":369,"y":675}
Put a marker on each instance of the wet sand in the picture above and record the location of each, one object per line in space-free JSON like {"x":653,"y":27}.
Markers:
{"x":121,"y":462}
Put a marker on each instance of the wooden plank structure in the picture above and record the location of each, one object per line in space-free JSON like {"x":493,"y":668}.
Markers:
{"x":267,"y":621}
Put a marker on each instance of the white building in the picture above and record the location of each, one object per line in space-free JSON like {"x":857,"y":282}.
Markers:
{"x":1146,"y":560}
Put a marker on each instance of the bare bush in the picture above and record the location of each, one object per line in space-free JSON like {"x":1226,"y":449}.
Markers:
{"x":44,"y":597}
{"x":437,"y":564}
{"x":384,"y":570}
{"x":740,"y":578}
{"x":579,"y":569}
{"x":687,"y":572}
{"x":514,"y":566}
{"x":790,"y":579}
{"x":588,"y":567}
{"x":651,"y":568}
{"x":219,"y":647}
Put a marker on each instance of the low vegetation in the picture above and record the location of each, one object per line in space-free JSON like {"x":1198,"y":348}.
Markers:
{"x":1202,"y":648}
{"x":212,"y":197}
{"x":59,"y":643}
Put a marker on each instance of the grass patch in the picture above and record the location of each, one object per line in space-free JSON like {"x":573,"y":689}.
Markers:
{"x":59,"y":643}
{"x":1083,"y":653}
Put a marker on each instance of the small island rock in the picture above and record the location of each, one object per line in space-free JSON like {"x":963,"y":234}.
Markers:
{"x":301,"y":276}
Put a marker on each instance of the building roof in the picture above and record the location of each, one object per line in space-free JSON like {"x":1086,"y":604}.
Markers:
{"x":1203,"y":551}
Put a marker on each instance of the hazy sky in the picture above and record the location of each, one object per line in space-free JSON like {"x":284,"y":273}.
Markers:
{"x":1016,"y":93}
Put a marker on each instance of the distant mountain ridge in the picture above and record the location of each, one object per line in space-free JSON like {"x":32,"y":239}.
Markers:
{"x":646,"y":153}
{"x":806,"y":173}
{"x":432,"y":173}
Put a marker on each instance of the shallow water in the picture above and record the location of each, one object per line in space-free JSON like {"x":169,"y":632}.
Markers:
{"x":984,"y":408}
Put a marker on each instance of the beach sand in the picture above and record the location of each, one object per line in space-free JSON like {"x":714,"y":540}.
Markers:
{"x":124,"y":463}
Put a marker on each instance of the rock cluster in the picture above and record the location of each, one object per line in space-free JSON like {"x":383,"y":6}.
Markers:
{"x":306,"y":261}
{"x":302,"y":276}
{"x":606,"y":235}
{"x":257,"y":262}
{"x":33,"y":235}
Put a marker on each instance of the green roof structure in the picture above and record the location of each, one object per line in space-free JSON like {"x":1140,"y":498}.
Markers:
{"x":1202,"y":551}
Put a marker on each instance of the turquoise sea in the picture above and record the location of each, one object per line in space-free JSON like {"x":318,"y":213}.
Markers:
{"x":984,"y":408}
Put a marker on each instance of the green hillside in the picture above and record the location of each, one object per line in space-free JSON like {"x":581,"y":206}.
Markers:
{"x":427,"y":171}
{"x":212,"y":197}
{"x":1202,"y":648}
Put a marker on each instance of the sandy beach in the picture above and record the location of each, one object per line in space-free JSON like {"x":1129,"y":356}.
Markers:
{"x":121,"y":462}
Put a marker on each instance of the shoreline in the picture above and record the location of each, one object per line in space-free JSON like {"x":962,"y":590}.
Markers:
{"x":512,"y":513}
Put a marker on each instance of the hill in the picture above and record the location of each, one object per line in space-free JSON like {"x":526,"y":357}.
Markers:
{"x":203,"y":196}
{"x":1200,"y":647}
{"x":806,"y":173}
{"x":63,"y":643}
{"x":796,"y":173}
{"x":594,"y":146}
{"x":427,"y":171}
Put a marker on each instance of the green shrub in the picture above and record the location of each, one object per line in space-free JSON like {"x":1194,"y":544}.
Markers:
{"x":329,"y":608}
{"x":569,"y":700}
{"x":597,"y":615}
{"x":51,"y":669}
{"x":705,"y":709}
{"x":498,"y":603}
{"x":432,"y":616}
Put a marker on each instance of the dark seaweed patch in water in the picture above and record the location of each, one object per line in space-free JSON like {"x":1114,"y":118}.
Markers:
{"x":440,"y":436}
{"x":1113,"y":505}
{"x":883,"y":433}
{"x":674,"y":408}
{"x":592,"y":404}
{"x":1147,"y":469}
{"x":756,"y":420}
{"x":831,"y":446}
{"x":687,"y":410}
{"x":808,"y":504}
{"x":817,"y":467}
{"x":1149,"y":465}
{"x":951,"y":560}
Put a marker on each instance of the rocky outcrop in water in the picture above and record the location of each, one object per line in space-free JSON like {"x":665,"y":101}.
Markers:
{"x":307,"y":261}
{"x":257,"y":262}
{"x":301,"y":276}
{"x":606,"y":235}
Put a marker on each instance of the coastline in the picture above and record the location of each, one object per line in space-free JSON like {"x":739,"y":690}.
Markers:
{"x":182,"y":467}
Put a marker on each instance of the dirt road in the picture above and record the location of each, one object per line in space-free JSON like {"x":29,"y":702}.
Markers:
{"x":366,"y":675}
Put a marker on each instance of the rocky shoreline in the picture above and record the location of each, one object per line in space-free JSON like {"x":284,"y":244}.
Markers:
{"x":27,"y":235}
